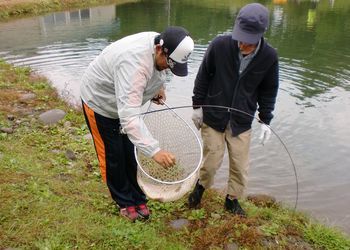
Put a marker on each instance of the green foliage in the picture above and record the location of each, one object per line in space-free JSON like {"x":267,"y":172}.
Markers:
{"x":239,"y":228}
{"x":3,"y":136}
{"x":197,"y":214}
{"x":165,"y":209}
{"x":137,"y":236}
{"x":271,"y":229}
{"x":161,"y":207}
{"x":40,"y":86}
{"x":326,"y":238}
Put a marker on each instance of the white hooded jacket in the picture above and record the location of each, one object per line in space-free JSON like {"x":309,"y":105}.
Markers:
{"x":120,"y":80}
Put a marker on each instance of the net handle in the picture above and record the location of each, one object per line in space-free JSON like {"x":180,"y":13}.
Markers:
{"x":200,"y":148}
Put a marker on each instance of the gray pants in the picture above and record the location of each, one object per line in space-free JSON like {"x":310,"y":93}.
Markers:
{"x":213,"y":154}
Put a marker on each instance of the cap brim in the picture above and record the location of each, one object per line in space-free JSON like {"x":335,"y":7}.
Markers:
{"x":241,"y":36}
{"x":180,"y":69}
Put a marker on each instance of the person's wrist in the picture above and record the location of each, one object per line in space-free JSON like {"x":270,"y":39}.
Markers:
{"x":155,"y":152}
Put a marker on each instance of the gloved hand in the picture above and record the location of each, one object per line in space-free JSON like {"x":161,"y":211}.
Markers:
{"x":265,"y":133}
{"x":197,"y":117}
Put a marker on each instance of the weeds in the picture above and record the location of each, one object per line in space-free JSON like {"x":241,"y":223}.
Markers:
{"x":326,"y":238}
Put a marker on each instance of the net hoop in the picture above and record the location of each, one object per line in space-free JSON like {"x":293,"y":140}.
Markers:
{"x":200,"y":150}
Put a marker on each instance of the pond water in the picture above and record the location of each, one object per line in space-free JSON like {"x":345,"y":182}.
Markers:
{"x":312,"y":38}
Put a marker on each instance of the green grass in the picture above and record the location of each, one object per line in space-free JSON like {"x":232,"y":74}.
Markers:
{"x":51,"y":202}
{"x":323,"y":237}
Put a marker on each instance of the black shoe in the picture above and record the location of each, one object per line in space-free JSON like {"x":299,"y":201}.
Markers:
{"x":234,"y":207}
{"x":195,"y":197}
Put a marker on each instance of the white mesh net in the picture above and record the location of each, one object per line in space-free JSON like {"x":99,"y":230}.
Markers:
{"x":176,"y":136}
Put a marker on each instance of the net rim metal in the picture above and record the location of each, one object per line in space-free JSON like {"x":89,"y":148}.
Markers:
{"x":193,"y":172}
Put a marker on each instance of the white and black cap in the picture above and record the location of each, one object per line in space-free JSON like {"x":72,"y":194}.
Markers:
{"x":178,"y":46}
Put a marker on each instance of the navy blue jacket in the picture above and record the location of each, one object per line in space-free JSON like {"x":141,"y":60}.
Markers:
{"x":218,"y":82}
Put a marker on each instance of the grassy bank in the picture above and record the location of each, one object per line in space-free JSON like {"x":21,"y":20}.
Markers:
{"x":50,"y":200}
{"x":19,"y":8}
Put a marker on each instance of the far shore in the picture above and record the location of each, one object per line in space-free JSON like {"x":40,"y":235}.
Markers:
{"x":21,"y":8}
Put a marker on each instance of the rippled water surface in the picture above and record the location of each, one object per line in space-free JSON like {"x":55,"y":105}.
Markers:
{"x":311,"y":116}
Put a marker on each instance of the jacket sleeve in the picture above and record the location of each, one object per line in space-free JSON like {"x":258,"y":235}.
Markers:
{"x":205,"y":72}
{"x":130,"y":82}
{"x":267,"y":93}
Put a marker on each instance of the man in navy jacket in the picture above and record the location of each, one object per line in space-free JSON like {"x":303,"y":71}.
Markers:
{"x":240,"y":71}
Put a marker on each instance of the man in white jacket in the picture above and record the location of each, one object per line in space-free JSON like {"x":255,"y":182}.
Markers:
{"x":127,"y":74}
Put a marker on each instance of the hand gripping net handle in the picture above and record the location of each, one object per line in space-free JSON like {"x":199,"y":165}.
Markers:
{"x":189,"y":130}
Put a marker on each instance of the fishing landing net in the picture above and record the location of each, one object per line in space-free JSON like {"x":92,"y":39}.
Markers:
{"x":176,"y":136}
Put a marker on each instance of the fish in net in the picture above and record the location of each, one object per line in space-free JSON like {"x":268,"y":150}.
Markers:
{"x":169,"y":174}
{"x":176,"y":136}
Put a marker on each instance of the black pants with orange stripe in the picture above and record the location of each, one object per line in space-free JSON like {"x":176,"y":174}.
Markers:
{"x":116,"y":158}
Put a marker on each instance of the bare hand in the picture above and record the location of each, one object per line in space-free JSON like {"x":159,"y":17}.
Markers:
{"x":160,"y":97}
{"x":164,"y":158}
